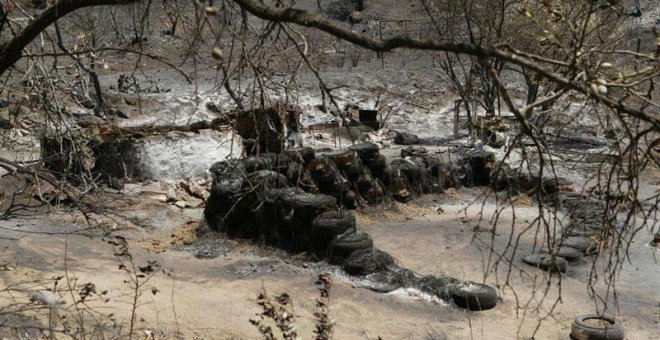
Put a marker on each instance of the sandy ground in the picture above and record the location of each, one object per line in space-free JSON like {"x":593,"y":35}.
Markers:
{"x":215,"y":298}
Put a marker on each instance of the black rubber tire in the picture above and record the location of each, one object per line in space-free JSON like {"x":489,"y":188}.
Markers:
{"x":342,"y":246}
{"x":367,"y":261}
{"x":581,"y":330}
{"x":399,"y":189}
{"x":481,"y":163}
{"x":584,"y":245}
{"x":265,"y":161}
{"x":502,"y":178}
{"x":385,"y":281}
{"x":546,"y":262}
{"x":265,"y":179}
{"x":413,"y":151}
{"x":581,"y":232}
{"x":373,"y":195}
{"x":332,"y":223}
{"x":439,"y":286}
{"x":404,"y":138}
{"x":342,"y":158}
{"x":348,"y":162}
{"x":377,"y":165}
{"x":299,"y":177}
{"x":304,"y":204}
{"x":555,"y":185}
{"x":324,"y":172}
{"x":409,"y":168}
{"x":227,"y":168}
{"x":349,"y":200}
{"x":366,"y":151}
{"x":377,"y":287}
{"x":474,"y":296}
{"x":365,"y":182}
{"x":301,"y":154}
{"x":569,"y":254}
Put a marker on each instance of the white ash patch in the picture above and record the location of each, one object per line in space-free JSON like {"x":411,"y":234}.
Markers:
{"x":417,"y":295}
{"x":185,"y":157}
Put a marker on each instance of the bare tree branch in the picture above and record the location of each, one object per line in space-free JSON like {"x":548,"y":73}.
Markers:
{"x":308,"y":19}
{"x":12,"y":51}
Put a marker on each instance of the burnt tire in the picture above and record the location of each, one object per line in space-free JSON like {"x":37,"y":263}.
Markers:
{"x":342,"y":246}
{"x":474,"y":296}
{"x":349,"y":200}
{"x":301,"y":154}
{"x":439,"y":286}
{"x":374,"y":195}
{"x":365,"y":150}
{"x":399,"y":188}
{"x":385,"y":281}
{"x":569,"y":254}
{"x":332,"y":223}
{"x":367,"y":261}
{"x":299,"y":177}
{"x":413,"y":151}
{"x":583,"y":329}
{"x":303,"y":204}
{"x":377,"y":166}
{"x":410,"y":168}
{"x":581,"y":232}
{"x":546,"y":262}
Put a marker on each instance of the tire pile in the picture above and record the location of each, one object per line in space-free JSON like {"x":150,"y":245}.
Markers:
{"x":586,"y":224}
{"x":299,"y":200}
{"x":264,"y":196}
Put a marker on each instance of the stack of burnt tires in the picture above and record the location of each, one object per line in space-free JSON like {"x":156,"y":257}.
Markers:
{"x":297,"y":200}
{"x":588,"y":221}
{"x":302,"y":201}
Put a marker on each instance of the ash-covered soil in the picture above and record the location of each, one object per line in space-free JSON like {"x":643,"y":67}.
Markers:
{"x":210,"y":283}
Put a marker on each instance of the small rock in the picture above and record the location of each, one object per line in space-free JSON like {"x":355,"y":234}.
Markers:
{"x":161,"y":198}
{"x":132,"y":189}
{"x":171,"y":195}
{"x":213,"y":107}
{"x":193,"y":203}
{"x":119,"y":113}
{"x":180,"y":204}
